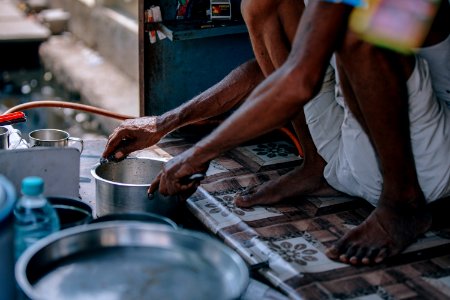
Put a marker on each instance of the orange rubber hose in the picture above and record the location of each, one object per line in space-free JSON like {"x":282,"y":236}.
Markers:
{"x":106,"y":113}
{"x":62,"y":104}
{"x":294,"y":140}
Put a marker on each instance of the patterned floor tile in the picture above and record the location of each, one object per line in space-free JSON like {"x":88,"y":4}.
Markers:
{"x":286,"y":242}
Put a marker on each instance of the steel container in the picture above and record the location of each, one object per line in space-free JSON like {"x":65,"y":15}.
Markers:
{"x":7,"y":200}
{"x":137,"y":217}
{"x":121,"y":187}
{"x":130,"y":260}
{"x":71,"y":212}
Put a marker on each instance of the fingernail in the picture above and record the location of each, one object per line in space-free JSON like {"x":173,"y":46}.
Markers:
{"x":245,"y":197}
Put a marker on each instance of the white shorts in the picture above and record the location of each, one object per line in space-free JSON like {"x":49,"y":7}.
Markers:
{"x":352,"y":166}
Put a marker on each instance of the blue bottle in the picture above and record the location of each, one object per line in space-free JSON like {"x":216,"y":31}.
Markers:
{"x":34,"y":217}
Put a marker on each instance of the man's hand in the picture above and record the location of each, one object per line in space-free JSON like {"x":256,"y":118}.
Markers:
{"x":174,"y":178}
{"x":133,"y":135}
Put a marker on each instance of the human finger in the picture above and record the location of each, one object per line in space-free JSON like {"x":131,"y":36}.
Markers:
{"x":114,"y":141}
{"x":126,"y":147}
{"x":154,"y":186}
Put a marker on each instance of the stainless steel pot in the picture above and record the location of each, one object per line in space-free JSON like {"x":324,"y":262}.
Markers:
{"x":137,"y":217}
{"x":7,"y":200}
{"x":122,"y":187}
{"x":130,"y":260}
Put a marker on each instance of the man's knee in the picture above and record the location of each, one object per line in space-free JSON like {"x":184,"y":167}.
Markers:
{"x":255,"y":11}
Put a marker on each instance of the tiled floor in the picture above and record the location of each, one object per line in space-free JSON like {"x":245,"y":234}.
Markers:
{"x":288,"y":239}
{"x":285,"y":242}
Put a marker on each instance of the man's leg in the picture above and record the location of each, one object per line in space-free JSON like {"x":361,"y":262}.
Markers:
{"x":272,"y":26}
{"x":324,"y":117}
{"x":377,"y":95}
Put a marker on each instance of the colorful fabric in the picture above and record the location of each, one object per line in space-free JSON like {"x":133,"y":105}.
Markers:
{"x":349,"y":2}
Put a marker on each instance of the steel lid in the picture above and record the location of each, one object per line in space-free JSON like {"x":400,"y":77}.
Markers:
{"x":130,"y":260}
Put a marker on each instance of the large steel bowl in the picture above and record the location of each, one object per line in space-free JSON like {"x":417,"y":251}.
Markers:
{"x":7,"y":200}
{"x":121,"y":187}
{"x":130,"y":260}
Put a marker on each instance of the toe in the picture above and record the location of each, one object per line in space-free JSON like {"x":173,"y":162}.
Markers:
{"x":336,"y":250}
{"x":359,"y":255}
{"x":351,"y":250}
{"x":381,"y":256}
{"x":243,"y":201}
{"x":247,"y":198}
{"x":257,"y":195}
{"x":332,"y":252}
{"x":369,"y":258}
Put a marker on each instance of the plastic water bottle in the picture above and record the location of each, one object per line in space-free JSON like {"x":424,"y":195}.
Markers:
{"x":34,"y":217}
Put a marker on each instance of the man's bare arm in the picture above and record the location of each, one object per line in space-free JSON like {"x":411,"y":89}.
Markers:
{"x":282,"y":95}
{"x":144,"y":132}
{"x":274,"y":102}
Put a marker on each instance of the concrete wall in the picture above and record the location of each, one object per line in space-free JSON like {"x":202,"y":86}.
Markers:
{"x":107,"y":26}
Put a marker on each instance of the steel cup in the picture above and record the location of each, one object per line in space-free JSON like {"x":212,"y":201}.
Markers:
{"x":53,"y":138}
{"x":5,"y":133}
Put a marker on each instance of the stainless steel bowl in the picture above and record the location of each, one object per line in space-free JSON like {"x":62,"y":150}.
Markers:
{"x":71,"y":212}
{"x":122,"y":187}
{"x":7,"y":200}
{"x":130,"y":260}
{"x":136,"y":217}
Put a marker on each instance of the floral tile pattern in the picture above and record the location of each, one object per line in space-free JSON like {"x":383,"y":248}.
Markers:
{"x":271,"y":153}
{"x":302,"y":255}
{"x":285,"y":242}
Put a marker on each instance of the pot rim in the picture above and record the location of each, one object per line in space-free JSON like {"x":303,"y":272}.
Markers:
{"x":97,"y":177}
{"x":116,"y":217}
{"x":9,"y":194}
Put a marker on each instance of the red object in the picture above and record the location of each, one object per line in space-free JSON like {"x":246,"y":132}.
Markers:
{"x":294,"y":140}
{"x":12,"y":118}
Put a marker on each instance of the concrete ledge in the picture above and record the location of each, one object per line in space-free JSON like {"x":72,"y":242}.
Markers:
{"x":22,"y":30}
{"x":114,"y":35}
{"x":20,"y":38}
{"x":8,"y":11}
{"x":117,"y":40}
{"x":99,"y":82}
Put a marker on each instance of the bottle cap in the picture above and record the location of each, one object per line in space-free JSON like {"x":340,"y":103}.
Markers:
{"x":32,"y":186}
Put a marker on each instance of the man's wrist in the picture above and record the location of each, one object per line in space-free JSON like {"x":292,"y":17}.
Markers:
{"x":203,"y":153}
{"x":165,"y":124}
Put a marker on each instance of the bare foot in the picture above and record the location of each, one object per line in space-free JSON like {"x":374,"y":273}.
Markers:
{"x":302,"y":181}
{"x":383,"y":234}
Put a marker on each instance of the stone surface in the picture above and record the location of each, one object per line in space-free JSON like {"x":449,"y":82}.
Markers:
{"x":112,"y":33}
{"x":98,"y":81}
{"x":20,"y":38}
{"x":9,"y":11}
{"x":22,"y":30}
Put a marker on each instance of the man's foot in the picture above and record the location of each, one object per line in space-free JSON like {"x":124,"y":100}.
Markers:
{"x":302,"y":181}
{"x":383,"y":234}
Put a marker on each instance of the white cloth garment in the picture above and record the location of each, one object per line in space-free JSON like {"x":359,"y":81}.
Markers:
{"x":352,"y":165}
